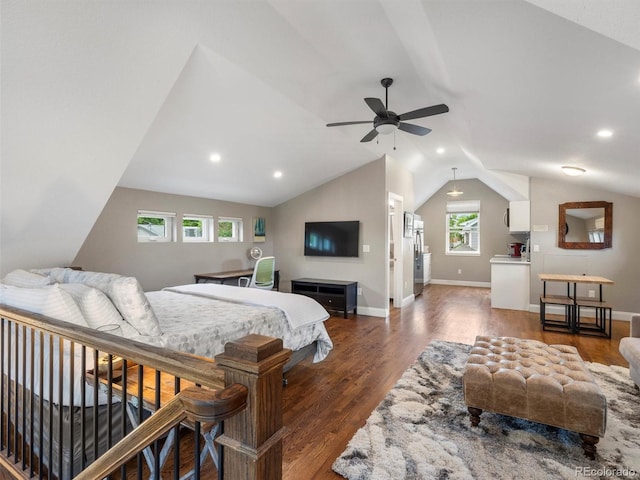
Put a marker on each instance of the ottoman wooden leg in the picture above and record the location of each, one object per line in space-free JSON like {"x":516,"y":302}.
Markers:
{"x":475,"y":415}
{"x":589,"y":445}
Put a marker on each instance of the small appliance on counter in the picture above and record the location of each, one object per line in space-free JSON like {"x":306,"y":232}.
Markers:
{"x":515,"y":249}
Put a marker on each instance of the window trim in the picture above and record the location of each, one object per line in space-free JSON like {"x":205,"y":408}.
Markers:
{"x":207,"y":228}
{"x":170,"y":226}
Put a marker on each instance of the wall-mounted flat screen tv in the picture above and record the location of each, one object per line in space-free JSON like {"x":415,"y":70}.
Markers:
{"x":332,"y":239}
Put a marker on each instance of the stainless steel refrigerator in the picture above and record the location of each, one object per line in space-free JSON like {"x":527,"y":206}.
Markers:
{"x":418,"y":257}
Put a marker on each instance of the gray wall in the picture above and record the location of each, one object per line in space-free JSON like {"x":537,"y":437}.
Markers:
{"x":357,"y":195}
{"x":619,"y":263}
{"x":494,"y":235}
{"x":112,"y":244}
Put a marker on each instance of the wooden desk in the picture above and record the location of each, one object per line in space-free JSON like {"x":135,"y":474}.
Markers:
{"x":573,"y":304}
{"x":221,"y":277}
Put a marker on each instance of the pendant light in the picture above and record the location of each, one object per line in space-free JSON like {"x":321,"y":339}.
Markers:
{"x":455,"y":192}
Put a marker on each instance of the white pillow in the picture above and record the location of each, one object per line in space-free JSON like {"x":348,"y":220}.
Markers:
{"x":55,"y":274}
{"x":49,"y":300}
{"x":53,"y":302}
{"x":22,"y":278}
{"x":96,"y":308}
{"x":125,"y":293}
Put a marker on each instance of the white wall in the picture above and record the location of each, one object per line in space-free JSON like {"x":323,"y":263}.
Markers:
{"x":76,"y":102}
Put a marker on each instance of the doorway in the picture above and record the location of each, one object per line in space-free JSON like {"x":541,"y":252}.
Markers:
{"x":395,"y":251}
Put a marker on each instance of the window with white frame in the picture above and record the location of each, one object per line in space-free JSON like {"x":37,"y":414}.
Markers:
{"x":197,"y":228}
{"x":463,"y":228}
{"x":230,"y":229}
{"x":156,"y":226}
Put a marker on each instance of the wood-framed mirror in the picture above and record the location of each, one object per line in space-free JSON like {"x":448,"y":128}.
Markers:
{"x":585,"y":225}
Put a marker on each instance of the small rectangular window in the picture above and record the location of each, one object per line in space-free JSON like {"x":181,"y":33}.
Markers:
{"x":156,"y":226}
{"x":463,"y":228}
{"x":197,"y":228}
{"x":230,"y":229}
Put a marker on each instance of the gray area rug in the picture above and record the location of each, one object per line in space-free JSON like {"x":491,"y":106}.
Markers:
{"x":421,"y":430}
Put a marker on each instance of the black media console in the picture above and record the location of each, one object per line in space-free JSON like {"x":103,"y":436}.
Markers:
{"x":331,"y":294}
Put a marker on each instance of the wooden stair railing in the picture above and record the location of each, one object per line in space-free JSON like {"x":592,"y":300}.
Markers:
{"x":194,"y":404}
{"x":242,"y":385}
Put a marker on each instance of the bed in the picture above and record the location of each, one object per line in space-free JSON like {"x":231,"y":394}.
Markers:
{"x":196,"y":318}
{"x":201,"y":318}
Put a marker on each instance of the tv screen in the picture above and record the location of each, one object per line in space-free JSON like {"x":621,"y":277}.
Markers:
{"x":332,"y":239}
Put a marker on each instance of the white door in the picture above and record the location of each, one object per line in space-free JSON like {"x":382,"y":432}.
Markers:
{"x":395,"y":249}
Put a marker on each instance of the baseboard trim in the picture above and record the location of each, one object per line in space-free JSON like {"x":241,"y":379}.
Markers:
{"x":461,"y":283}
{"x":373,"y":312}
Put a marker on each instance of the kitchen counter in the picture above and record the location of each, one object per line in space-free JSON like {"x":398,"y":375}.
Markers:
{"x":508,"y":259}
{"x":509,"y":283}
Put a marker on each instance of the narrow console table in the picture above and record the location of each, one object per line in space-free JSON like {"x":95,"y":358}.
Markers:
{"x":331,"y":294}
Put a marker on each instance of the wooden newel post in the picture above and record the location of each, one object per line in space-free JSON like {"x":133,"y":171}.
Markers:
{"x":252,"y":440}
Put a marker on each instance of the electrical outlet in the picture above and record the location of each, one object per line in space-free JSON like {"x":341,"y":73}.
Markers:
{"x":592,"y":294}
{"x":359,"y":291}
{"x":459,"y":271}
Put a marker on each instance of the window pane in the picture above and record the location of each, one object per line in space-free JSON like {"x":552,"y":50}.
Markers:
{"x":225,"y":229}
{"x":155,"y":226}
{"x":197,"y":228}
{"x":152,"y":227}
{"x":463,"y":233}
{"x":230,"y":229}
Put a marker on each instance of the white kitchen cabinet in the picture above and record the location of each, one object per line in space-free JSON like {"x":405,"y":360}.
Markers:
{"x":427,"y":268}
{"x":509,"y":283}
{"x":519,"y":216}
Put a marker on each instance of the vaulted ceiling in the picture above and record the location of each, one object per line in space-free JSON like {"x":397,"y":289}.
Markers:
{"x":139,"y":94}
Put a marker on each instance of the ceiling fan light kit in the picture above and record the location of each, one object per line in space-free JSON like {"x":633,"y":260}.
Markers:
{"x":573,"y":171}
{"x":387,"y":121}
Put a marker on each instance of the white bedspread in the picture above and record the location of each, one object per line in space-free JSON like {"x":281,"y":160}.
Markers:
{"x":299,"y":310}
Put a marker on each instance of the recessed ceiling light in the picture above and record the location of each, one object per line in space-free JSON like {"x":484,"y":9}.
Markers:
{"x":573,"y":171}
{"x":277,"y":174}
{"x":605,"y":133}
{"x":440,"y":150}
{"x":215,"y":157}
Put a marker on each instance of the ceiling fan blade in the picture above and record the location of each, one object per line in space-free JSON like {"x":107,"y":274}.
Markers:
{"x":377,"y":106}
{"x":415,"y":129}
{"x":425,"y":112}
{"x":339,"y":124}
{"x":370,"y":136}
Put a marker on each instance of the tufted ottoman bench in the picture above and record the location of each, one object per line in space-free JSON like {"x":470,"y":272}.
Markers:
{"x":549,"y":384}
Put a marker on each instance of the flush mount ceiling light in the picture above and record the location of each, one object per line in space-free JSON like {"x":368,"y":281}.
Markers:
{"x":215,"y":157}
{"x":455,"y":192}
{"x":440,"y":150}
{"x":604,"y":133}
{"x":573,"y":171}
{"x":277,"y":174}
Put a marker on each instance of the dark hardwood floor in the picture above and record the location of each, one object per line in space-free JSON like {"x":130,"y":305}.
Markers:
{"x":325,"y":403}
